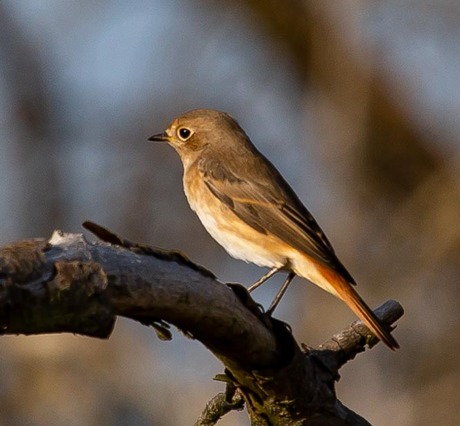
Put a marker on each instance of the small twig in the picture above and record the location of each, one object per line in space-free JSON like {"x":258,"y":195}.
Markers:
{"x":345,"y":345}
{"x":220,"y":405}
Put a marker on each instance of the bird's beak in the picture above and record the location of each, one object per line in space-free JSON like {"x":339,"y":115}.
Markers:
{"x":160,"y":137}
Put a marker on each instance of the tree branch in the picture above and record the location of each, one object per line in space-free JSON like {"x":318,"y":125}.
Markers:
{"x":67,"y":284}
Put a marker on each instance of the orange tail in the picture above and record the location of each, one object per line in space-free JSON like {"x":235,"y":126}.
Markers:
{"x":345,"y":291}
{"x":359,"y":307}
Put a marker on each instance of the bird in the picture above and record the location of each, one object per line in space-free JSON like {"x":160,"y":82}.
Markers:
{"x":248,"y":208}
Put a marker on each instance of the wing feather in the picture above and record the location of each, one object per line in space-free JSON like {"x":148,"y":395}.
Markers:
{"x":269,"y":205}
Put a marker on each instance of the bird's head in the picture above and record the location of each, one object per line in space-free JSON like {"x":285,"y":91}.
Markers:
{"x":199,"y":130}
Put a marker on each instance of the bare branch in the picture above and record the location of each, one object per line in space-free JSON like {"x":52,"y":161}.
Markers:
{"x":82,"y":286}
{"x":67,"y":284}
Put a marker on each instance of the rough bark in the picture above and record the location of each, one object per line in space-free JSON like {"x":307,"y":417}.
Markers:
{"x":67,"y":284}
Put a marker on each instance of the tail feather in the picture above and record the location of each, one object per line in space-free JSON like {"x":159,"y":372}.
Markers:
{"x":349,"y":295}
{"x":340,"y":287}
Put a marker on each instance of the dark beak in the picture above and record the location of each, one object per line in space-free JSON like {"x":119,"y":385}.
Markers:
{"x":160,"y":137}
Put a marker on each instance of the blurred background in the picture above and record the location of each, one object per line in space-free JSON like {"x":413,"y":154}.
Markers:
{"x":357,"y":103}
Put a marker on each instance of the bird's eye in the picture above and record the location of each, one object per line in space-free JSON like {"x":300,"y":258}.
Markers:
{"x":184,"y":133}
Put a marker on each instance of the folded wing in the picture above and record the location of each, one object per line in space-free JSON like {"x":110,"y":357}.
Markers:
{"x":269,"y":205}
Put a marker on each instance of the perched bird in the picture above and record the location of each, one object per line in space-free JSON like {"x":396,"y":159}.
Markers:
{"x":248,"y":208}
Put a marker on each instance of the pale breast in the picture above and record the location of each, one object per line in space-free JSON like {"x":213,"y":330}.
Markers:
{"x":238,"y":239}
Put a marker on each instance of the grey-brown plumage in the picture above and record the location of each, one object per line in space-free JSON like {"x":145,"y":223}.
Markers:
{"x":248,"y":207}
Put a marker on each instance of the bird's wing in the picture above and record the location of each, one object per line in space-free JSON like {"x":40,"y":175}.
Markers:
{"x":269,"y":205}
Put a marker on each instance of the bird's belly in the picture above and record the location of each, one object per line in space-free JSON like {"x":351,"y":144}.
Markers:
{"x":234,"y":235}
{"x":240,"y":241}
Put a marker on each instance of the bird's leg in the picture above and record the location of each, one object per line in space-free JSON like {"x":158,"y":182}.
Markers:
{"x":280,"y":294}
{"x":264,"y":278}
